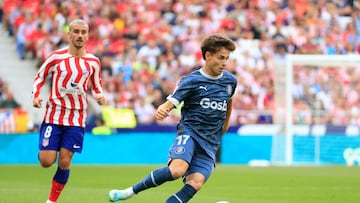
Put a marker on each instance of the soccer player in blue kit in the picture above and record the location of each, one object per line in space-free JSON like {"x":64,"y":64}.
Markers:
{"x":207,"y":94}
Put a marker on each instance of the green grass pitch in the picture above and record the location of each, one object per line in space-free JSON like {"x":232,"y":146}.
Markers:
{"x":236,"y":184}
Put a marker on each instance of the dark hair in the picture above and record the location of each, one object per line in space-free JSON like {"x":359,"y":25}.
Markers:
{"x":215,"y":43}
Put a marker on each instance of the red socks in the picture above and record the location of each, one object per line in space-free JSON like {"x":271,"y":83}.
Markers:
{"x":56,"y":189}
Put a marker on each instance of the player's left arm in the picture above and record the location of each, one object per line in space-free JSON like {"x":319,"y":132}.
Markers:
{"x":227,"y":118}
{"x":97,"y":84}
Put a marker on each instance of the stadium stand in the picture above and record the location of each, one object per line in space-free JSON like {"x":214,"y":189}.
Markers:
{"x":145,"y":46}
{"x":17,"y":76}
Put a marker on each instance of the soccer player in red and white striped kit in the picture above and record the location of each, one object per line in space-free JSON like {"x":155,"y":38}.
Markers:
{"x":71,"y":69}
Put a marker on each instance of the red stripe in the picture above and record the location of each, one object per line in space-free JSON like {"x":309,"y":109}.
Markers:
{"x":93,"y":84}
{"x":53,"y":109}
{"x":71,"y":116}
{"x":68,"y":73}
{"x":81,"y":112}
{"x":78,"y":67}
{"x":95,"y":59}
{"x":97,"y":90}
{"x":85,"y":85}
{"x":61,"y":99}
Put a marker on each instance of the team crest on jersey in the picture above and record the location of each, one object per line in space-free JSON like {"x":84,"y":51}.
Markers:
{"x":229,"y":89}
{"x":85,"y":71}
{"x":45,"y":142}
{"x":180,"y":150}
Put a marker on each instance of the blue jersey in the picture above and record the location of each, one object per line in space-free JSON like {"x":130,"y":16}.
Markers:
{"x":205,"y":104}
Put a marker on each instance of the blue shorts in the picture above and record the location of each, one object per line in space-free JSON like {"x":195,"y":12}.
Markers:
{"x":53,"y":137}
{"x":187,"y":149}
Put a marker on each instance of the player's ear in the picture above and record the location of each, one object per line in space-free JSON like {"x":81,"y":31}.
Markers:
{"x":207,"y":55}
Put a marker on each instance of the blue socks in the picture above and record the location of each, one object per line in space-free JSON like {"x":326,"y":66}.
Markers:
{"x":62,"y":175}
{"x":160,"y":176}
{"x":154,"y":179}
{"x":184,"y":195}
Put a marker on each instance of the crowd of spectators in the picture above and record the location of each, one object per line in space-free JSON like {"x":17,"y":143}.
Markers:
{"x":146,"y":46}
{"x":7,"y":100}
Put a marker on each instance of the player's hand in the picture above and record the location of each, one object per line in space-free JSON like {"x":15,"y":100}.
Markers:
{"x":100,"y":99}
{"x":161,"y":113}
{"x":37,"y":102}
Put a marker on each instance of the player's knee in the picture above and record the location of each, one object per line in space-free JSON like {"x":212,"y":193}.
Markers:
{"x":64,"y":162}
{"x":195,"y":184}
{"x":177,"y":172}
{"x":47,"y":158}
{"x":46,"y":163}
{"x":178,"y":168}
{"x":196,"y":180}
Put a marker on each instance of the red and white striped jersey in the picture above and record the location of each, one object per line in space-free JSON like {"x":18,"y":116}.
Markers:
{"x":70,"y":77}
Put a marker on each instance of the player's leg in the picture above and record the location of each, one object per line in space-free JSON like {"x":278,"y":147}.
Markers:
{"x":175,"y":170}
{"x":49,"y":144}
{"x":62,"y":174}
{"x":193,"y":184}
{"x":47,"y":158}
{"x":72,"y":141}
{"x":154,"y":179}
{"x":199,"y":171}
{"x":180,"y":155}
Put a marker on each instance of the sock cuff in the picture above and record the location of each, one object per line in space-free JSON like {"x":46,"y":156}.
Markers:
{"x":190,"y":189}
{"x":166,"y":170}
{"x":62,"y":175}
{"x":154,"y":179}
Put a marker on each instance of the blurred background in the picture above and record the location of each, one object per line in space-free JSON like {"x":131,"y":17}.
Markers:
{"x":146,"y":46}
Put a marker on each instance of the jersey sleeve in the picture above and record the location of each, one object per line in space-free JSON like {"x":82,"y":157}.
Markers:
{"x":234,"y":84}
{"x":96,"y":81}
{"x":182,"y":90}
{"x":41,"y":76}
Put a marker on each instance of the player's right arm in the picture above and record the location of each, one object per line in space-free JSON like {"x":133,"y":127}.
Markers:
{"x":181,"y":91}
{"x":39,"y":81}
{"x":163,"y":110}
